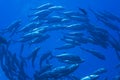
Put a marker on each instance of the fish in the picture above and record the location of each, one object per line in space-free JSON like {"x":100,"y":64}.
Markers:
{"x":33,"y":55}
{"x":76,"y":27}
{"x":64,"y":70}
{"x":106,"y":21}
{"x":36,"y":19}
{"x":42,"y":13}
{"x":97,"y":40}
{"x":72,"y":13}
{"x":69,"y":58}
{"x":39,"y":39}
{"x":116,"y":45}
{"x":65,"y":20}
{"x":15,"y":61}
{"x":74,"y":33}
{"x":90,"y":77}
{"x":60,"y":71}
{"x":45,"y":68}
{"x":99,"y":37}
{"x":42,"y":7}
{"x":12,"y":66}
{"x":53,"y":19}
{"x":44,"y":57}
{"x":110,"y":15}
{"x":13,"y":26}
{"x":70,"y":41}
{"x":17,"y":24}
{"x":100,"y":71}
{"x":56,"y":8}
{"x":29,"y":36}
{"x":110,"y":25}
{"x":98,"y":15}
{"x":55,"y":27}
{"x":22,"y":74}
{"x":32,"y":34}
{"x":65,"y":46}
{"x":30,"y":26}
{"x":95,"y":53}
{"x":76,"y":40}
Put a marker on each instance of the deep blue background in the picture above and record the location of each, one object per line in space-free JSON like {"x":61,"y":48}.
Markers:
{"x":11,"y":10}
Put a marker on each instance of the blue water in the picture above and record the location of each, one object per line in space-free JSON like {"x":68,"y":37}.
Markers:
{"x":11,"y":10}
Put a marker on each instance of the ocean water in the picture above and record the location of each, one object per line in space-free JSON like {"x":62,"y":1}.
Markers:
{"x":12,"y":10}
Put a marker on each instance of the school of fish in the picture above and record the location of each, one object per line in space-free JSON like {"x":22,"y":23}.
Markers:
{"x":76,"y":30}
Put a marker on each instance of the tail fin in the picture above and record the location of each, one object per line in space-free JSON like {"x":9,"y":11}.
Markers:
{"x":83,"y":11}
